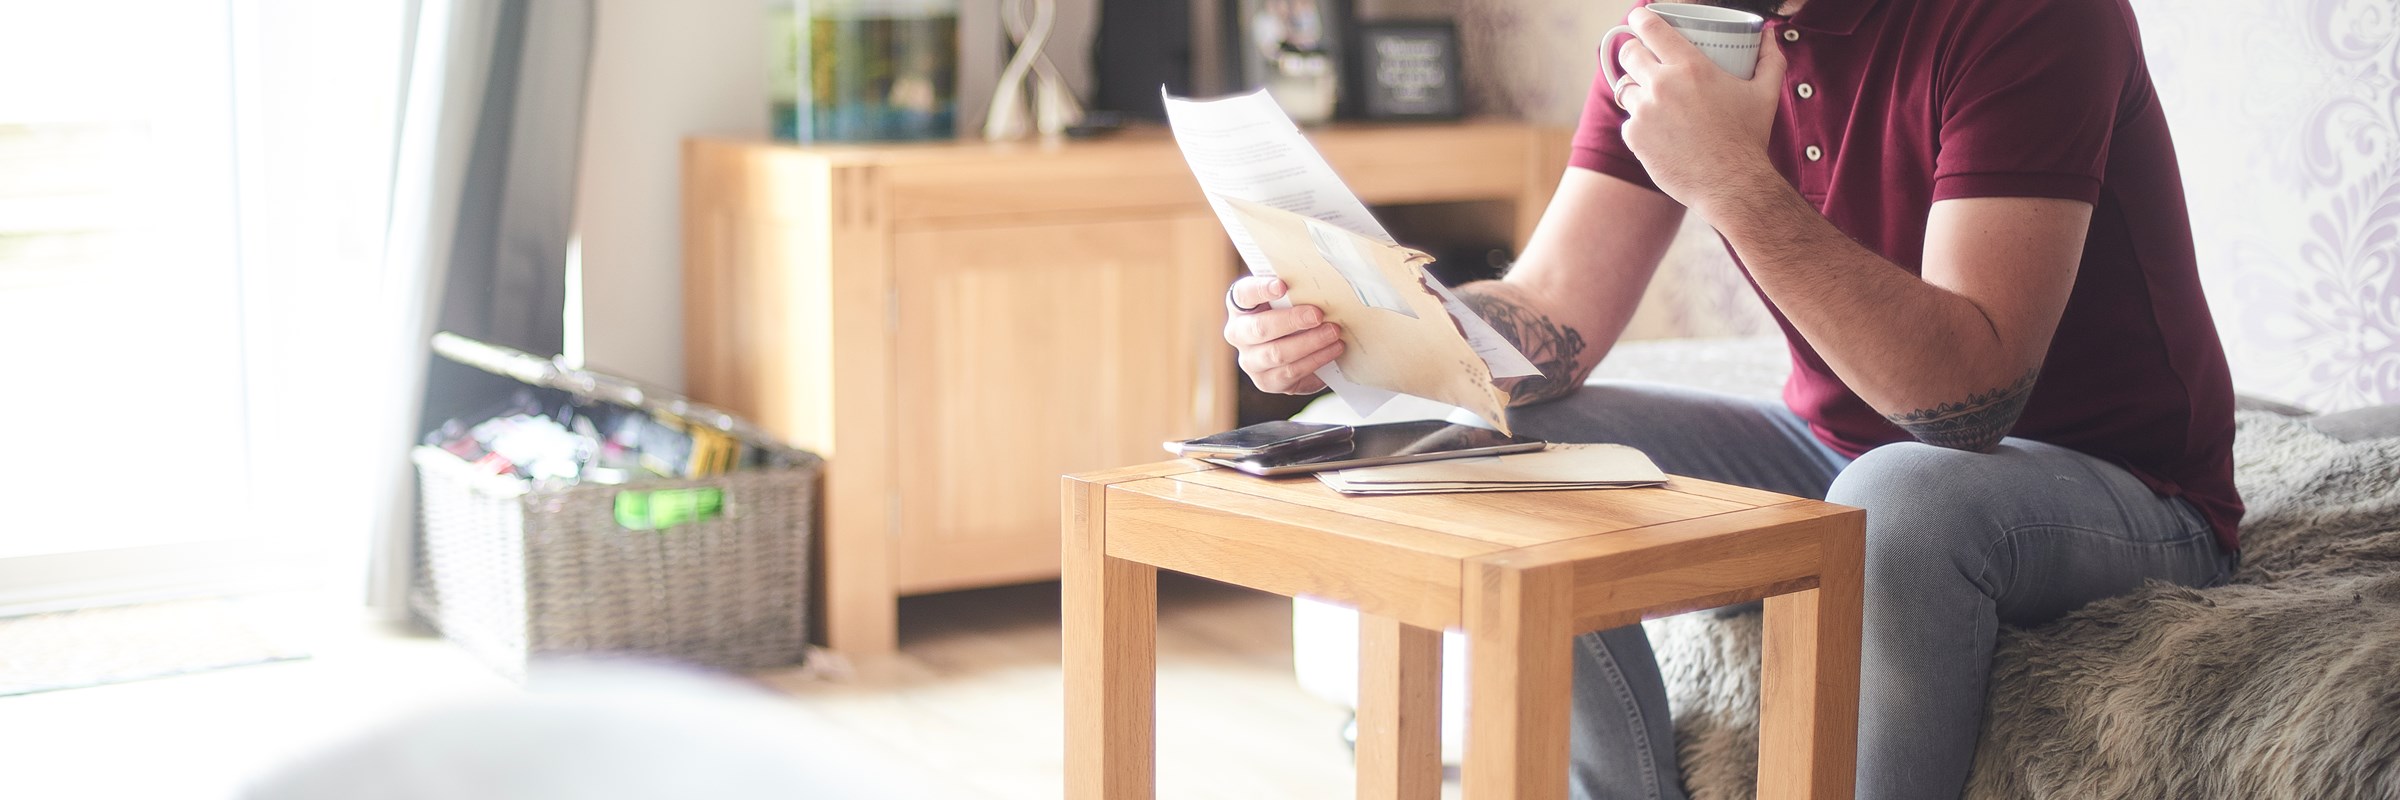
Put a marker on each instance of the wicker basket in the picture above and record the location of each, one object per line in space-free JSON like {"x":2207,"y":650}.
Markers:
{"x":510,"y":572}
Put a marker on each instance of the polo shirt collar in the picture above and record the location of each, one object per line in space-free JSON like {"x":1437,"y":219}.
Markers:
{"x":1836,"y":17}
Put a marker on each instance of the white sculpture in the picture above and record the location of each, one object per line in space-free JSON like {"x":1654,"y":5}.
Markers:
{"x":1054,"y":106}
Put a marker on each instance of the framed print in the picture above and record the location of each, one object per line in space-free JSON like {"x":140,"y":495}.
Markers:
{"x":1294,"y":50}
{"x":1406,"y":71}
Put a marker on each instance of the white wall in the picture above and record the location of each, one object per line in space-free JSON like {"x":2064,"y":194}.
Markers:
{"x":661,"y":71}
{"x":665,"y":70}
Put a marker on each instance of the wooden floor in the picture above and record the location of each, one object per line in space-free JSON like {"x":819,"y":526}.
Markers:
{"x":976,"y":691}
{"x":975,"y":695}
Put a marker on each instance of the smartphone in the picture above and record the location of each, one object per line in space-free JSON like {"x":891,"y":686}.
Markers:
{"x":1281,"y":435}
{"x":1392,"y":443}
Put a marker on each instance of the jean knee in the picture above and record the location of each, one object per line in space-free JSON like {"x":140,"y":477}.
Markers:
{"x":1549,"y":422}
{"x":1927,"y":509}
{"x":1596,"y":412}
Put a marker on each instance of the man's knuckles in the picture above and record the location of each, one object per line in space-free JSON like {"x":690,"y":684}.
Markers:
{"x":1291,"y":375}
{"x":1253,"y":329}
{"x":1655,"y":32}
{"x":1238,"y":331}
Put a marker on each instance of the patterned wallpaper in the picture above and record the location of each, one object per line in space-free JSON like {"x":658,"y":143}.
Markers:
{"x":2287,"y":123}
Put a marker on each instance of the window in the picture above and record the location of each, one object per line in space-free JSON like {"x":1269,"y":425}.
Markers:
{"x":120,"y":294}
{"x":192,"y":202}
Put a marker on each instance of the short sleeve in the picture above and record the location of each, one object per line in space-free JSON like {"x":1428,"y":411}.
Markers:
{"x":1599,"y":145}
{"x":2028,"y":103}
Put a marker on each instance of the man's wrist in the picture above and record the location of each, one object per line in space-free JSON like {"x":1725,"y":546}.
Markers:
{"x":1753,"y":201}
{"x":1738,"y":191}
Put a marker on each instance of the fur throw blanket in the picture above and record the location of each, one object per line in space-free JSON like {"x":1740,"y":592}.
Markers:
{"x":2284,"y":683}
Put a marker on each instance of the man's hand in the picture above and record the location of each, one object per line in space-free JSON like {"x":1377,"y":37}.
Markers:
{"x":1281,"y":348}
{"x":1696,"y":128}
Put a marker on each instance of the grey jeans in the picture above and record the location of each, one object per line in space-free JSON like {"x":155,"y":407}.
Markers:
{"x":1957,"y":543}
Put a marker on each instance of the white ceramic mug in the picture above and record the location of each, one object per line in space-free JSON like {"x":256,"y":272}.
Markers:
{"x":1729,"y":37}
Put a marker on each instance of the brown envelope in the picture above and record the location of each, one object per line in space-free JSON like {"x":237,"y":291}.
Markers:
{"x":1395,"y":334}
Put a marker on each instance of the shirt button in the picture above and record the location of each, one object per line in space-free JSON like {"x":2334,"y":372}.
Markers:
{"x":1815,"y":153}
{"x":1791,"y":34}
{"x":1805,"y":91}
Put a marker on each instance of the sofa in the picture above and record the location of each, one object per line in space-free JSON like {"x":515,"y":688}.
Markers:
{"x":2283,"y":683}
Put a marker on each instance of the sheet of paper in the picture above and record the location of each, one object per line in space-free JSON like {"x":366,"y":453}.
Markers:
{"x":1558,"y":463}
{"x":1244,"y":147}
{"x":1333,"y":479}
{"x":1395,"y":334}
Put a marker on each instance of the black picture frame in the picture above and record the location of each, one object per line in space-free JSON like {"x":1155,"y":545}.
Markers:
{"x":1405,"y":70}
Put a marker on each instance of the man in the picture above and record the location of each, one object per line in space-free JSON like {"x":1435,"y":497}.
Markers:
{"x":1966,"y":217}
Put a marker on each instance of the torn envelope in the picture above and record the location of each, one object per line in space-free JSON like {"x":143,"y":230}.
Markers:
{"x":1396,"y":334}
{"x":1245,"y":148}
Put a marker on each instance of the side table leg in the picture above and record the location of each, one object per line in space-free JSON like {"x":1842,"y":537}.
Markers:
{"x":1399,"y":710}
{"x":1808,"y":703}
{"x":1520,"y":624}
{"x":1110,"y":619}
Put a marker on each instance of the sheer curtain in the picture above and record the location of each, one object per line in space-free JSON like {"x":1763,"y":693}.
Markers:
{"x":192,"y":199}
{"x":227,"y":228}
{"x":480,"y":207}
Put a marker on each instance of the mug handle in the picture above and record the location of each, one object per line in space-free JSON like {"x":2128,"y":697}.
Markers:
{"x":1609,"y":68}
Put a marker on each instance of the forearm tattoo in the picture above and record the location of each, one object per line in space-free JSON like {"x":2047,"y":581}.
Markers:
{"x":1553,"y":348}
{"x":1976,"y":423}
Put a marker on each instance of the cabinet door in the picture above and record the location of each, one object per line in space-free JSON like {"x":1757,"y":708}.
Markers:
{"x":1029,"y":352}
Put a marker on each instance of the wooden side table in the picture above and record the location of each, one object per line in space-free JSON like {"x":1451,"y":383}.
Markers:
{"x":1521,"y":573}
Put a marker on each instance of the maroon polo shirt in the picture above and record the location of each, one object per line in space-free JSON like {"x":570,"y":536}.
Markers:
{"x":1892,"y":105}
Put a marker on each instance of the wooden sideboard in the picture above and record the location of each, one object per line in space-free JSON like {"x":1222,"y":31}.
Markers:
{"x":955,"y":325}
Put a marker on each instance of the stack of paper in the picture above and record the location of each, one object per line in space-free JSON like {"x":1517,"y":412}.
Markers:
{"x":1561,"y":466}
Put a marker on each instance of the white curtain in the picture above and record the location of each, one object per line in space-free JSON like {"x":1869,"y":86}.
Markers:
{"x":482,"y":186}
{"x":209,"y":185}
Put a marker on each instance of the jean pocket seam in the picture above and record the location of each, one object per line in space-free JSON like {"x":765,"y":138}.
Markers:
{"x":2183,"y":537}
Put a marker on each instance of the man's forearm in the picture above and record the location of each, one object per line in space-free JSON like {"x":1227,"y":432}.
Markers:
{"x":1556,"y":349}
{"x":1930,"y":360}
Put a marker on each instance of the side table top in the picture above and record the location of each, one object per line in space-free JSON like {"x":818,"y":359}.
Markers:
{"x":1503,"y":519}
{"x":1405,"y":555}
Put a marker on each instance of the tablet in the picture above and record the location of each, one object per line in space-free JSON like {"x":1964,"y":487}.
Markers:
{"x":1389,"y":443}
